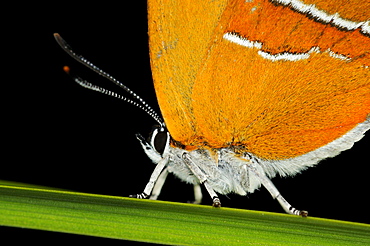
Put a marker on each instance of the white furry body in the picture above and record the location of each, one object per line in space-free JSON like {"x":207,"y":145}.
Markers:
{"x":229,"y":173}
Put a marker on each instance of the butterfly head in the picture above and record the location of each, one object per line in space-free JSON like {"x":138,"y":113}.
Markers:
{"x":158,"y":143}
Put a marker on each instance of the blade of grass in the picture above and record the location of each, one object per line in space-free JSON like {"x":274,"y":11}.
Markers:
{"x":19,"y":184}
{"x":167,"y":222}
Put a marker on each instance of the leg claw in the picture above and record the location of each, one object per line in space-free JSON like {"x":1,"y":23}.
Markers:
{"x":216,"y":202}
{"x":303,"y":213}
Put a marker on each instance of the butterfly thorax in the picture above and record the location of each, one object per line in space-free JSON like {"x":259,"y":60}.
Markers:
{"x":226,"y":171}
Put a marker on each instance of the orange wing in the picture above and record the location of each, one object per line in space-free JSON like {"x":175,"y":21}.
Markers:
{"x":179,"y":38}
{"x":264,"y":75}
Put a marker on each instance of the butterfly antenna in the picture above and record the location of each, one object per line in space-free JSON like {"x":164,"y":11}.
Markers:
{"x":140,"y":104}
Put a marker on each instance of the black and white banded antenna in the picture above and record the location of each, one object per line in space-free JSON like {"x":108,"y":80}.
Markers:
{"x":140,"y":103}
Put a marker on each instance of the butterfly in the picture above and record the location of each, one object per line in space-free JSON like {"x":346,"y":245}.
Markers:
{"x":251,"y":89}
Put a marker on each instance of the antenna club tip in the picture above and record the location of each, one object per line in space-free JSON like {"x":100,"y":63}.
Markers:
{"x":66,"y":69}
{"x":57,"y":37}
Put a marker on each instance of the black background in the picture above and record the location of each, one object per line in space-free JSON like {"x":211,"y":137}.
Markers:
{"x":59,"y":134}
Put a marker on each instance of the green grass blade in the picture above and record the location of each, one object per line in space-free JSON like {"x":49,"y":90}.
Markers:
{"x":167,"y":222}
{"x":26,"y":185}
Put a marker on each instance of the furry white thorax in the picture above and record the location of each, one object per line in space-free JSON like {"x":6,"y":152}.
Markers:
{"x":229,"y":173}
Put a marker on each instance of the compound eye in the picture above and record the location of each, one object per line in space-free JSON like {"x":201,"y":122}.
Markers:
{"x":159,"y":139}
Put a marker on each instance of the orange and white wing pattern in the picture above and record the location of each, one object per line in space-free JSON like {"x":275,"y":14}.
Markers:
{"x":280,"y":78}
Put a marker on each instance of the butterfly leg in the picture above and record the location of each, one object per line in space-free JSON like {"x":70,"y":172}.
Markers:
{"x":197,"y":194}
{"x":159,"y":184}
{"x":202,"y":179}
{"x":267,"y":183}
{"x":153,"y":178}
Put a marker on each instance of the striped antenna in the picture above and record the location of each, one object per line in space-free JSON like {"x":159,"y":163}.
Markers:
{"x":140,"y":104}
